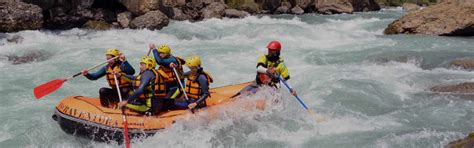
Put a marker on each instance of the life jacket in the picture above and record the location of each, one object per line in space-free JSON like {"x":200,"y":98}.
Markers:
{"x":123,"y":82}
{"x":156,"y":88}
{"x":150,"y":88}
{"x":281,"y":69}
{"x":159,"y":85}
{"x":193,"y":89}
{"x":171,"y":77}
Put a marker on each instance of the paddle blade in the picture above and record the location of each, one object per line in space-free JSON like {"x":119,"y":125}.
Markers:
{"x":319,"y":119}
{"x":127,"y":139}
{"x":47,"y":88}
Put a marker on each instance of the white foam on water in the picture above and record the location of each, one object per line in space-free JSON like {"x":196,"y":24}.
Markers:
{"x":317,"y":54}
{"x":426,"y":138}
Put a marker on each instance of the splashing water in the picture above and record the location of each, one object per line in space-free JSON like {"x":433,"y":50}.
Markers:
{"x":371,"y":88}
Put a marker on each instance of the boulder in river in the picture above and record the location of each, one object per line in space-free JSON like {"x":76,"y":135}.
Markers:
{"x":463,"y":63}
{"x":15,"y":39}
{"x":17,"y":16}
{"x":466,"y":87}
{"x":31,"y":56}
{"x":449,"y":18}
{"x":234,"y":13}
{"x":151,"y":20}
{"x":467,"y":142}
{"x":214,"y":10}
{"x":333,"y":6}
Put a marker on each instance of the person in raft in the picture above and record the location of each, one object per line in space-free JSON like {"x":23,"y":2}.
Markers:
{"x":167,"y":62}
{"x":197,"y":86}
{"x":119,"y":65}
{"x":269,"y":68}
{"x":148,"y":88}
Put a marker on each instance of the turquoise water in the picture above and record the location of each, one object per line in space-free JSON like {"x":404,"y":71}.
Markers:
{"x":372,"y":89}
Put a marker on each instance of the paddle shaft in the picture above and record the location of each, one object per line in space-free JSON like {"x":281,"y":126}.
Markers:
{"x":125,"y":133}
{"x":180,"y":84}
{"x":310,"y":111}
{"x":91,"y":68}
{"x":149,"y":51}
{"x":289,"y":89}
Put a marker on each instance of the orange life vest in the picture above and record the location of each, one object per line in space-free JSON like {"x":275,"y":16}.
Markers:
{"x":193,"y":89}
{"x":123,"y":82}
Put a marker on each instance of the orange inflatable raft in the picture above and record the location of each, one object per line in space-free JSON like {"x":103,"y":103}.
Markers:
{"x":85,"y":117}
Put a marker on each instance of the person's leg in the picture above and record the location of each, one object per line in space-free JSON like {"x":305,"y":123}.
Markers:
{"x":105,"y":94}
{"x":179,"y":104}
{"x":156,"y":106}
{"x":125,"y":91}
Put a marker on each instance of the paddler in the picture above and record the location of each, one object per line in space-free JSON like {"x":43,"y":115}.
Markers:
{"x":148,"y":88}
{"x":197,"y":85}
{"x":120,"y":65}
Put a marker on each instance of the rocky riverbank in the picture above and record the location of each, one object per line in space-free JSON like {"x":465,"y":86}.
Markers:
{"x":448,"y":18}
{"x":16,"y":15}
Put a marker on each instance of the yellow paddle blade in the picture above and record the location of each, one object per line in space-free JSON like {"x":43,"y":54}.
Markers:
{"x":319,"y":119}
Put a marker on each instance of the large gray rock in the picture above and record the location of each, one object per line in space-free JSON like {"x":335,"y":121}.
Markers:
{"x":333,"y":6}
{"x":97,"y":25}
{"x":18,"y":16}
{"x":174,"y":3}
{"x":233,"y":13}
{"x":124,"y":19}
{"x":284,"y":8}
{"x":410,"y":7}
{"x":214,"y":10}
{"x":365,"y":5}
{"x":297,"y":10}
{"x":178,"y":14}
{"x":303,"y":4}
{"x":270,"y":5}
{"x":250,"y":7}
{"x":450,"y":18}
{"x":463,"y":63}
{"x":139,"y":7}
{"x":151,"y":20}
{"x":467,"y":142}
{"x":28,"y":57}
{"x":15,"y":39}
{"x":466,"y":87}
{"x":246,"y":5}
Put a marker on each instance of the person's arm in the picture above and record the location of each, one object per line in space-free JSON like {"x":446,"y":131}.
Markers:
{"x":202,"y":80}
{"x":127,"y":68}
{"x":96,"y":75}
{"x":282,"y":70}
{"x":130,"y":77}
{"x":147,"y":76}
{"x":156,"y":55}
{"x":261,"y":69}
{"x":187,"y":73}
{"x":285,"y":74}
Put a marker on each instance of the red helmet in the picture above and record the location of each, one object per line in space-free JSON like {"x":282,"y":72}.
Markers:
{"x":274,"y":45}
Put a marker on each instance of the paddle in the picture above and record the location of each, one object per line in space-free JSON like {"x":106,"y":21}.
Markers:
{"x":125,"y":124}
{"x":48,"y":87}
{"x":149,"y":51}
{"x":310,"y":111}
{"x":182,"y":88}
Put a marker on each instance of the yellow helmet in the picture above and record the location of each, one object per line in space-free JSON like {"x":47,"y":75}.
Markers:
{"x":193,"y":61}
{"x":149,"y":62}
{"x":164,"y":49}
{"x":112,"y":51}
